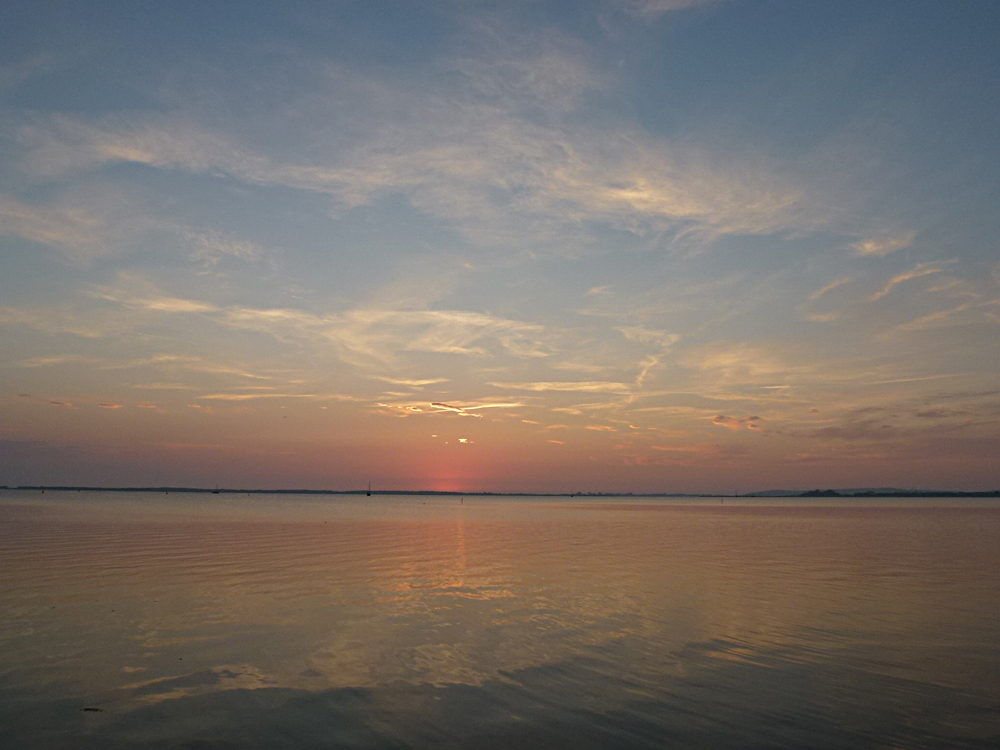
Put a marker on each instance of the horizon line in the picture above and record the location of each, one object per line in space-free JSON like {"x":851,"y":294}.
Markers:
{"x":776,"y":493}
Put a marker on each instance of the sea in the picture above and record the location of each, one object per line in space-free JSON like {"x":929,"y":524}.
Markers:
{"x":199,"y":620}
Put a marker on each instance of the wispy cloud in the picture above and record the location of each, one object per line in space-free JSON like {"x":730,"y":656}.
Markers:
{"x":453,"y":154}
{"x":686,"y":448}
{"x":736,"y":423}
{"x":942,"y":318}
{"x":412,"y":383}
{"x":469,"y":409}
{"x":50,"y":361}
{"x":587,"y":386}
{"x":83,"y":225}
{"x":163,"y":386}
{"x":653,"y":8}
{"x":212,"y":246}
{"x":160,"y":303}
{"x":663,"y":339}
{"x":256,"y":396}
{"x":362,"y":336}
{"x":829,"y":287}
{"x":441,"y":406}
{"x":59,"y":320}
{"x":921,"y":269}
{"x":883,"y":246}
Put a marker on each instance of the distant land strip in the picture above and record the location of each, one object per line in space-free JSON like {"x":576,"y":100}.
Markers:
{"x":764,"y":494}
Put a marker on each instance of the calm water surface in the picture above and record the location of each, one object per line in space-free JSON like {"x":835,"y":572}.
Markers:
{"x":227,"y":621}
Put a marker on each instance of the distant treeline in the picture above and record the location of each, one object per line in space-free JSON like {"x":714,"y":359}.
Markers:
{"x":900,"y":493}
{"x":206,"y":490}
{"x":771,"y":494}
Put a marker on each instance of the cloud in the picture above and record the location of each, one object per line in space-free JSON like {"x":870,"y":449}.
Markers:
{"x":578,"y":367}
{"x":166,"y":304}
{"x":479,"y":163}
{"x":728,"y":371}
{"x":554,"y":79}
{"x":412,"y":383}
{"x":163,"y":386}
{"x":254,"y":396}
{"x":926,"y":322}
{"x":259,"y":395}
{"x":736,"y":423}
{"x":468,"y":409}
{"x":654,"y":8}
{"x":940,"y":414}
{"x":868,"y":429}
{"x":62,"y":320}
{"x":882,"y":246}
{"x":686,"y":448}
{"x":365,"y":336}
{"x":61,"y":144}
{"x":362,"y":336}
{"x":646,"y":366}
{"x":589,"y":386}
{"x":104,"y":405}
{"x":82,"y":230}
{"x":829,"y":287}
{"x":921,"y":269}
{"x":649,"y":336}
{"x":457,"y":409}
{"x":50,"y":361}
{"x":211,"y":246}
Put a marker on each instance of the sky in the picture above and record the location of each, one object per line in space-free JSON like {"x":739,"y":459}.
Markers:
{"x":608,"y":245}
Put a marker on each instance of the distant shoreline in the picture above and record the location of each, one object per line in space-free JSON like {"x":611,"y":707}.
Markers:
{"x":777,"y":494}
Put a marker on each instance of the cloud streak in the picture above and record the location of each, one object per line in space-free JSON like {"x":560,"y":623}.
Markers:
{"x":829,"y":288}
{"x":736,"y":423}
{"x":921,"y":269}
{"x":585,"y":386}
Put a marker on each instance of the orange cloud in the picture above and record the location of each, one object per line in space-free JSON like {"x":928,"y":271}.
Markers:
{"x":736,"y":423}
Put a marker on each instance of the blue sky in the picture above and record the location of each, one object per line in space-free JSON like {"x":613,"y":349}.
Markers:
{"x":635,"y":245}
